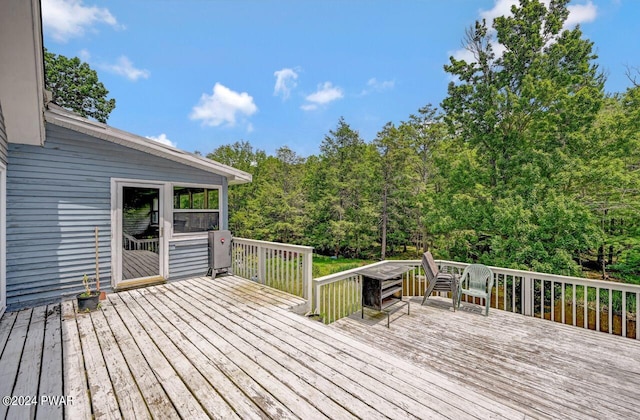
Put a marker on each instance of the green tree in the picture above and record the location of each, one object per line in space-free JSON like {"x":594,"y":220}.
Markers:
{"x":342,"y":216}
{"x":523,"y":116}
{"x":426,"y":136}
{"x":278,"y":201}
{"x":75,"y":86}
{"x":394,"y":186}
{"x":606,"y":178}
{"x":241,"y":155}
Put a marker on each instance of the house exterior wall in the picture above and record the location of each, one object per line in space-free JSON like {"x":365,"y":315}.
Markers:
{"x":58,"y":194}
{"x":188,"y":258}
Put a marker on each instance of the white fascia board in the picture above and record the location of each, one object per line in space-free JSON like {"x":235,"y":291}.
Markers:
{"x":65,"y":119}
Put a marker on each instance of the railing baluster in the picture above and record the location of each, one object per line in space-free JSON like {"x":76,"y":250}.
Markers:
{"x":624,"y":314}
{"x":597,"y":309}
{"x":513,"y":293}
{"x":553,"y":300}
{"x":637,"y":315}
{"x":504,"y":291}
{"x":562,"y":302}
{"x":610,"y":318}
{"x":585,"y":319}
{"x":574,"y":305}
{"x":542,"y":299}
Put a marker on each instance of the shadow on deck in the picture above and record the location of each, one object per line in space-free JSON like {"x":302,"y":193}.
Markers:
{"x":231,"y":348}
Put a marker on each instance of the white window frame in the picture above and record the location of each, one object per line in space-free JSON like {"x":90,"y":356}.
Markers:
{"x":169,"y":200}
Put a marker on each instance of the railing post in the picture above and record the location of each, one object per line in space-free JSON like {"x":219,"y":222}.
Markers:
{"x":527,"y":296}
{"x":307,"y":278}
{"x":262,"y":272}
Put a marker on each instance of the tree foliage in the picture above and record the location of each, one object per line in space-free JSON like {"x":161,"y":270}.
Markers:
{"x":528,"y":164}
{"x":75,"y":86}
{"x":524,"y":114}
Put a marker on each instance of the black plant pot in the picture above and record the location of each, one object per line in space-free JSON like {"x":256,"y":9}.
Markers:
{"x":88,"y":303}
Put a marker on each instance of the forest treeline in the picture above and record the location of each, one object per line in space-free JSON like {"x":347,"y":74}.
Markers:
{"x":527,"y":163}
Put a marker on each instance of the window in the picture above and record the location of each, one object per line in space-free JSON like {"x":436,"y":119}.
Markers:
{"x":195,"y":209}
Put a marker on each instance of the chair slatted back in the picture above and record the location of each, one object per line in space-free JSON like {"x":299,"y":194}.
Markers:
{"x":437,"y":281}
{"x":429,"y":265}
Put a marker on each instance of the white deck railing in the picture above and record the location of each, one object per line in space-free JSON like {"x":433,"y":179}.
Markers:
{"x":281,"y":266}
{"x":594,"y":304}
{"x":132,"y":244}
{"x":339,"y":295}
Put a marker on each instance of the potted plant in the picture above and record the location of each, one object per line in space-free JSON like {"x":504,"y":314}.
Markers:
{"x":87,"y":300}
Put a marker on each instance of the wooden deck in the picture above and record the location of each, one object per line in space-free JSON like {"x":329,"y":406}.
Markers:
{"x":541,"y":368}
{"x":139,"y":263}
{"x":231,"y":348}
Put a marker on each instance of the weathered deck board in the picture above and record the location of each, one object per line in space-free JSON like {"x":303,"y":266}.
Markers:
{"x":51,"y":376}
{"x":341,"y":381}
{"x":318,"y":389}
{"x":204,"y":348}
{"x":213,"y":404}
{"x":30,"y":362}
{"x":515,"y":355}
{"x":395,"y":371}
{"x":129,"y":398}
{"x":207,"y":342}
{"x":285,"y":385}
{"x":197,"y":348}
{"x":75,"y":381}
{"x":181,"y":397}
{"x":5,"y":328}
{"x":139,"y":263}
{"x":11,"y":356}
{"x":103,"y":397}
{"x":156,"y":399}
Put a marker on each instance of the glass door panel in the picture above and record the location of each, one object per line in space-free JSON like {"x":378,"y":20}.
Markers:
{"x":140,"y":232}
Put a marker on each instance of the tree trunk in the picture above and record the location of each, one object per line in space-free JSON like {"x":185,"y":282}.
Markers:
{"x":610,"y":259}
{"x":383,"y":250}
{"x":602,"y":261}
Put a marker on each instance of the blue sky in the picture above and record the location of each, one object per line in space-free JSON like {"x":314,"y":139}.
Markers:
{"x":201,"y":74}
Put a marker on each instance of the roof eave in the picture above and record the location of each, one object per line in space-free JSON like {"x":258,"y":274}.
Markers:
{"x":65,"y":119}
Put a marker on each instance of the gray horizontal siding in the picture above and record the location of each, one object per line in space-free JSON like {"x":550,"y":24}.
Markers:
{"x":57,"y":195}
{"x":3,"y":139}
{"x":188,"y":258}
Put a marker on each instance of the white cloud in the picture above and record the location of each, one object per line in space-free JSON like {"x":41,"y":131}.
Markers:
{"x":581,"y":13}
{"x":84,"y":55}
{"x":375,"y":85}
{"x":326,"y":93}
{"x":285,"y":82}
{"x":162,"y":138}
{"x":124,"y":67}
{"x":578,"y":13}
{"x":66,"y":19}
{"x":500,"y":8}
{"x":223,"y":106}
